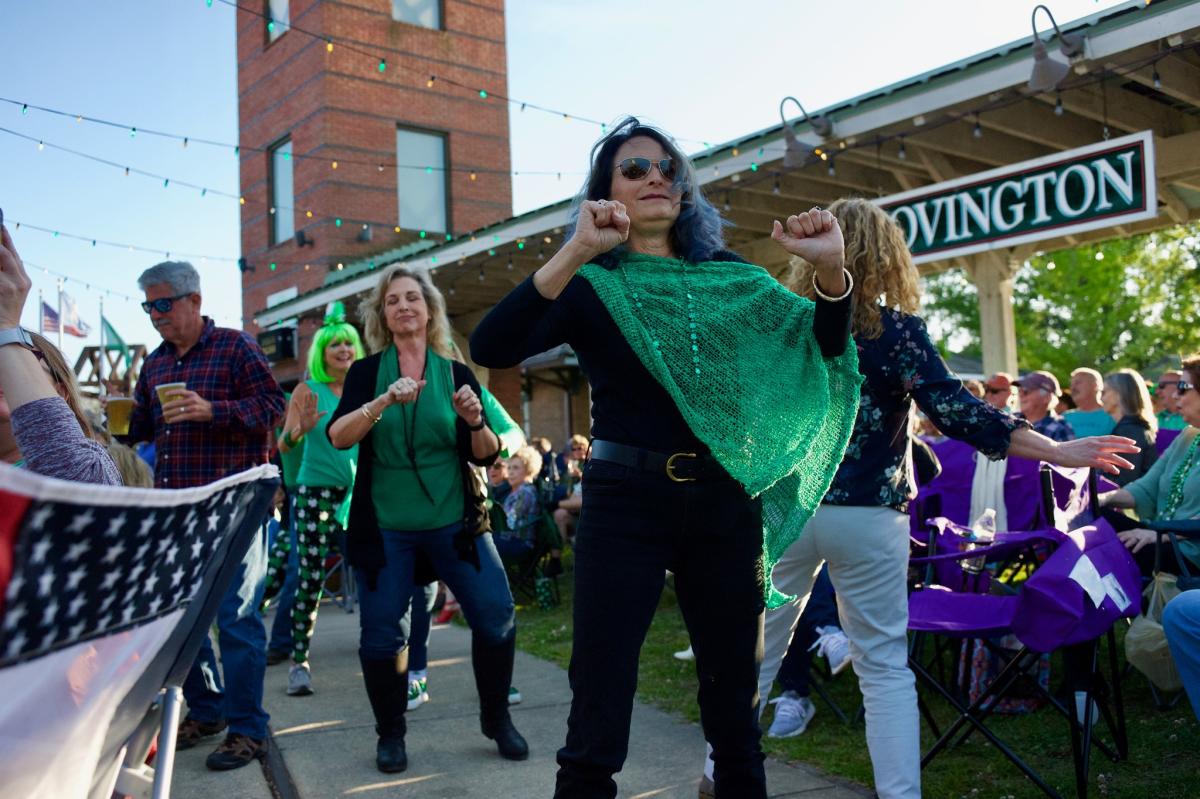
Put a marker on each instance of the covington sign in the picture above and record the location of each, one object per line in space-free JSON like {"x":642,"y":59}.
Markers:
{"x":1100,"y":185}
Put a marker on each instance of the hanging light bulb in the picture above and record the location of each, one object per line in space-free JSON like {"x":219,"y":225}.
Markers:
{"x":429,"y":83}
{"x":832,"y":170}
{"x":1157,"y":80}
{"x":775,"y":189}
{"x":902,"y":154}
{"x":977,"y":131}
{"x":727,"y":206}
{"x":1058,"y":106}
{"x":509,"y":265}
{"x":41,"y":146}
{"x":328,"y":46}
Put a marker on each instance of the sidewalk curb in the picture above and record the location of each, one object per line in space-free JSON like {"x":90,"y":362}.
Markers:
{"x":275,"y":770}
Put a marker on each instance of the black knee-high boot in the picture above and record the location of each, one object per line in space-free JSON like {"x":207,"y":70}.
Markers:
{"x":493,"y":664}
{"x":387,"y":690}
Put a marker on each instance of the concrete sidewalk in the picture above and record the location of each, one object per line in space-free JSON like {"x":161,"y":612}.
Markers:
{"x":327,"y":740}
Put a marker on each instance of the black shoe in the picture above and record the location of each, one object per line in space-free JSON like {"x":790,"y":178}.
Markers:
{"x":510,"y":743}
{"x":276,"y":656}
{"x":236,"y":751}
{"x":191,"y":732}
{"x":390,"y":757}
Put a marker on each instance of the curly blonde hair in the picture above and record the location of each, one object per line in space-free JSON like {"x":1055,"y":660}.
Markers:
{"x":437,"y":331}
{"x":878,"y":259}
{"x":532,"y":460}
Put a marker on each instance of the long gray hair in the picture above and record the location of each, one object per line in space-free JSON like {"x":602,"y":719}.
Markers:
{"x":1132,"y":396}
{"x":437,"y":331}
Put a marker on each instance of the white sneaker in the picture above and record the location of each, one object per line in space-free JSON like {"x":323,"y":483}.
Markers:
{"x":834,"y":646}
{"x":792,"y":715}
{"x":299,"y":680}
{"x":685,"y":654}
{"x":418,"y":692}
{"x":514,"y":695}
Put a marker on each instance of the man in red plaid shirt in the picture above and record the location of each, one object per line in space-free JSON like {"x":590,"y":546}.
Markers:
{"x":220,"y":424}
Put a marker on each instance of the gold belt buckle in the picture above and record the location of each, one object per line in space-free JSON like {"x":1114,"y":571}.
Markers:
{"x":671,"y":467}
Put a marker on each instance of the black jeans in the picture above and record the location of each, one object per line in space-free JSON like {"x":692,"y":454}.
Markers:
{"x":634,"y":526}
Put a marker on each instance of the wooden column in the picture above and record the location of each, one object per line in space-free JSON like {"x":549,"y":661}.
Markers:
{"x":993,"y":274}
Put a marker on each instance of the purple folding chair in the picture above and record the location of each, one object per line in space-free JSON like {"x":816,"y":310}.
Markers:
{"x":973,"y":607}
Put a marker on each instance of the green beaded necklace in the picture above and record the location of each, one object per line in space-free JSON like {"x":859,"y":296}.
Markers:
{"x":1175,"y":497}
{"x":691,"y":311}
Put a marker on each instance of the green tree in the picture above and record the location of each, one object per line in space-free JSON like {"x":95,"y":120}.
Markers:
{"x":1131,"y":302}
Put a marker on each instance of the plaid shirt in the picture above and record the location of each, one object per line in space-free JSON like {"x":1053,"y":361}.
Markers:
{"x":227,"y":368}
{"x":1053,"y":426}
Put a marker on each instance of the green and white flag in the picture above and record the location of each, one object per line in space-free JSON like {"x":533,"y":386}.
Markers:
{"x":113,"y":341}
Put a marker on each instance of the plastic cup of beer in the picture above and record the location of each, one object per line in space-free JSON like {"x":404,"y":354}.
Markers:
{"x":166,"y":392}
{"x":119,"y":410}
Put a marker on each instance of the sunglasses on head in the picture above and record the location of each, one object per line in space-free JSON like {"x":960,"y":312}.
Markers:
{"x":162,"y":304}
{"x":638,"y":168}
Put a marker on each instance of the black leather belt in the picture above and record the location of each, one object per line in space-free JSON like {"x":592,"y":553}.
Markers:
{"x":679,"y":467}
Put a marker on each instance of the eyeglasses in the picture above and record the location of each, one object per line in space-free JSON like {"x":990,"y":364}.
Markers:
{"x":991,"y":390}
{"x":638,"y":168}
{"x":1166,"y":384}
{"x":162,"y":304}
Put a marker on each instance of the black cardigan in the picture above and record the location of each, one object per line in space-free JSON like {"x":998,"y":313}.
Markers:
{"x":364,"y":544}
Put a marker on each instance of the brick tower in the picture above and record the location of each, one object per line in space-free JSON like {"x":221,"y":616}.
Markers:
{"x":357,"y":141}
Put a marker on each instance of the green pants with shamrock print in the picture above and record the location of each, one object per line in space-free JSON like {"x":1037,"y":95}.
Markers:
{"x":316,"y":526}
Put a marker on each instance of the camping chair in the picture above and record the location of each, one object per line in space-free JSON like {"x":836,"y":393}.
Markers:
{"x":340,"y":576}
{"x":1072,"y":500}
{"x":525,"y":571}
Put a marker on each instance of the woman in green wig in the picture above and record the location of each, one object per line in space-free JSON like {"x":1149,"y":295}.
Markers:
{"x":722,"y":404}
{"x":324,"y":480}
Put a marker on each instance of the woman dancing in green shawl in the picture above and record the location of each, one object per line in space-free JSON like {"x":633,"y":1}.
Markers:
{"x":722,"y":404}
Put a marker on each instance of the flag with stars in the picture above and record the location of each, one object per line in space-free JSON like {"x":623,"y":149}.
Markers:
{"x":94,"y":581}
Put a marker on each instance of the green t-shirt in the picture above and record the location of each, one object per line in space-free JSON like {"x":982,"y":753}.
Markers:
{"x":291,"y":459}
{"x":429,"y":425}
{"x":324,"y":466}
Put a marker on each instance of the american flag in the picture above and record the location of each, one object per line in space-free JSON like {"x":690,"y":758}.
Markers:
{"x":94,"y":582}
{"x":72,"y":323}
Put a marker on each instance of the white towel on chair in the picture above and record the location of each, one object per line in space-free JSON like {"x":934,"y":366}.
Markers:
{"x":987,"y":489}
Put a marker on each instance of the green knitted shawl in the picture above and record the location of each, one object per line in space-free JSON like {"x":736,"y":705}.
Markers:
{"x":736,"y":352}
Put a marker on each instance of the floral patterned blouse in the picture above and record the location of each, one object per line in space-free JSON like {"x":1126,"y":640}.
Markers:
{"x":522,"y":511}
{"x":903,"y":367}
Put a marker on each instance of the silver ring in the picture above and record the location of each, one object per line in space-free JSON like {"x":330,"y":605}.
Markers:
{"x":602,"y":202}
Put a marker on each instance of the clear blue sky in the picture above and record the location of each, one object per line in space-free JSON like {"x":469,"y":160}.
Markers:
{"x":703,"y":69}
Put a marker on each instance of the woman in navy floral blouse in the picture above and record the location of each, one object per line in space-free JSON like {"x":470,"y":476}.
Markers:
{"x":861,"y":529}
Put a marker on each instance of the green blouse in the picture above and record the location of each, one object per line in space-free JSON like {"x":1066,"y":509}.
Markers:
{"x":1151,"y":490}
{"x":429,"y":495}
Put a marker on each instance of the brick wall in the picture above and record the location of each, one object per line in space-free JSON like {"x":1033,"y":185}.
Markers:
{"x":337,"y":106}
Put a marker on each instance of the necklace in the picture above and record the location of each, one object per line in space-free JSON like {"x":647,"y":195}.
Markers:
{"x":693,"y":330}
{"x":1175,"y":497}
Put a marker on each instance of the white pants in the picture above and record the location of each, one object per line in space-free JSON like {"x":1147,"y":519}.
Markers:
{"x":867,"y":552}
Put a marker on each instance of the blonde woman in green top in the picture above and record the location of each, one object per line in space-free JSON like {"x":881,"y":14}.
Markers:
{"x":325,"y":478}
{"x":414,"y":409}
{"x":1171,"y":489}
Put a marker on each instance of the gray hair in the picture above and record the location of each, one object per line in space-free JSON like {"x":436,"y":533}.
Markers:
{"x":181,"y":276}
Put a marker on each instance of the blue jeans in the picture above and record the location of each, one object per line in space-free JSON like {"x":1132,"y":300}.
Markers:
{"x":243,"y":639}
{"x":281,"y":628}
{"x":819,"y":611}
{"x":483,"y":595}
{"x":1181,"y":622}
{"x":421,"y":625}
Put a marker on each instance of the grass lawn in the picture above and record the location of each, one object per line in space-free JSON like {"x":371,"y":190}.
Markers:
{"x":1164,"y":756}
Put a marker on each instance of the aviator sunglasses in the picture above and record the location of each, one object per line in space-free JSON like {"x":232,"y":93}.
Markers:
{"x":162,"y":304}
{"x":638,"y":168}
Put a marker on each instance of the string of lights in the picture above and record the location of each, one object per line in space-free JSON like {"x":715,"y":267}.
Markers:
{"x":430,"y":79}
{"x":87,"y":285}
{"x":130,"y":247}
{"x":334,"y":163}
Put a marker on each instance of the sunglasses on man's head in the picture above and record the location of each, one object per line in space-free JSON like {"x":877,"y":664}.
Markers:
{"x":162,"y":304}
{"x":638,"y":168}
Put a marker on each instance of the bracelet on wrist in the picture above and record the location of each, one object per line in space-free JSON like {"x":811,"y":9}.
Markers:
{"x":365,"y":409}
{"x":292,"y":442}
{"x":845,"y":294}
{"x":475,"y":428}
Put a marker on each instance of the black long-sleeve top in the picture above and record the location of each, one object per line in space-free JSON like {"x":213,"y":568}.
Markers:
{"x":628,"y":405}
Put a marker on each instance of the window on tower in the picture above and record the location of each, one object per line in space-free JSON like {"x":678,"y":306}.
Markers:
{"x":426,"y":13}
{"x":281,"y":213}
{"x":422,"y":181}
